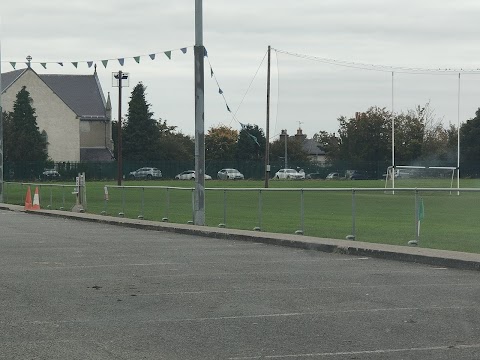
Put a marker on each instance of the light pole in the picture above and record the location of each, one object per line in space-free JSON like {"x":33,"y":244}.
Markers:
{"x":117,"y":81}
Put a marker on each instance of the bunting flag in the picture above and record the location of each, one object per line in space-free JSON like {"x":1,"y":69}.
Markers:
{"x":220,"y":91}
{"x":105,"y":62}
{"x":205,"y":53}
{"x":254,"y":138}
{"x":211,"y":72}
{"x":228,"y":108}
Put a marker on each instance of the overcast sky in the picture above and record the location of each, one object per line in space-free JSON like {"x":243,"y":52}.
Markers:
{"x":429,"y":34}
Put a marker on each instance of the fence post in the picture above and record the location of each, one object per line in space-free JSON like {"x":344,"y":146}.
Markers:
{"x":415,"y":242}
{"x":352,"y":236}
{"x":167,"y":206}
{"x":63,"y":198}
{"x":122,"y":213}
{"x":143,"y":203}
{"x":224,"y":224}
{"x":51,"y":198}
{"x":301,"y":231}
{"x":259,"y":226}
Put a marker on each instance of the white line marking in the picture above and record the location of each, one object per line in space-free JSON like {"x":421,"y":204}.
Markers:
{"x":365,"y":352}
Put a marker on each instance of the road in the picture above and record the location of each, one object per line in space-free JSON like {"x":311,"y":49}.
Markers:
{"x":80,"y":290}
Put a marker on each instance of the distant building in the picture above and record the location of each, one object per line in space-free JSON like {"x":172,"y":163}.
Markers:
{"x":71,"y":111}
{"x":315,"y":153}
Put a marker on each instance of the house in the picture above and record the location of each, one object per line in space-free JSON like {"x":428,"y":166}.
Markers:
{"x":315,"y":153}
{"x":71,"y":111}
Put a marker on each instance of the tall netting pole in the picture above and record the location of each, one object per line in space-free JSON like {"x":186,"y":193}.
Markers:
{"x":458,"y":136}
{"x":1,"y":123}
{"x":393,"y":139}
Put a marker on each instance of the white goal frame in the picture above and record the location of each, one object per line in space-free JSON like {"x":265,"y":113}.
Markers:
{"x":390,"y":175}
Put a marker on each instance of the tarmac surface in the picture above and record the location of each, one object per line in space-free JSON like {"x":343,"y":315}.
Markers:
{"x":92,"y":289}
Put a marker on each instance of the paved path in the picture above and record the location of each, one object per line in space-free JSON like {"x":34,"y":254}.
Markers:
{"x":90,"y":290}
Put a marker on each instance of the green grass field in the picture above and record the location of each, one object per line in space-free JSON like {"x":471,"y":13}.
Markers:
{"x":381,"y":217}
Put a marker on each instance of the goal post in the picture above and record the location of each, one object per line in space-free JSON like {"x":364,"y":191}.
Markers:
{"x":411,"y":176}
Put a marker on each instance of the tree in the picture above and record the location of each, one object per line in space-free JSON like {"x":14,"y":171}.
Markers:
{"x":140,"y":136}
{"x":469,"y":135}
{"x":221,"y":143}
{"x":251,"y":143}
{"x":23,"y":140}
{"x":174,"y":145}
{"x":330,"y":143}
{"x":295,"y":153}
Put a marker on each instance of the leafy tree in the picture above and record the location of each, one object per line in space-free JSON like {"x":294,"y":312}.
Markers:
{"x":23,"y":140}
{"x":330,"y":143}
{"x":295,"y":152}
{"x":174,"y":145}
{"x":251,"y":143}
{"x":140,"y":136}
{"x":221,"y":143}
{"x":469,"y":135}
{"x":366,"y":138}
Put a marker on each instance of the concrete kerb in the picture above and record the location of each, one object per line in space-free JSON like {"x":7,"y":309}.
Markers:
{"x":440,"y":258}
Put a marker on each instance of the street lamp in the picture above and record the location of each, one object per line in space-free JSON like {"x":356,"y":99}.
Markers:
{"x":119,"y":80}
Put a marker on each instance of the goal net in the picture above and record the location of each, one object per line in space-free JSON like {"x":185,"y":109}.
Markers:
{"x":420,"y":177}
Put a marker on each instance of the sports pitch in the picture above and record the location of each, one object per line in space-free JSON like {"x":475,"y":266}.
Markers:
{"x":380,"y":216}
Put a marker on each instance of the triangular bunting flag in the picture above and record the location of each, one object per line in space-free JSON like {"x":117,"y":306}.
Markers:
{"x":228,"y":108}
{"x":220,"y":91}
{"x":89,"y":63}
{"x":205,"y":53}
{"x":184,"y":50}
{"x":254,"y":139}
{"x":152,"y":56}
{"x":137,"y":59}
{"x":211,"y":72}
{"x":60,"y":63}
{"x":75,"y":64}
{"x":44,"y":65}
{"x":121,"y":61}
{"x":13,"y":64}
{"x":168,"y":54}
{"x":105,"y":62}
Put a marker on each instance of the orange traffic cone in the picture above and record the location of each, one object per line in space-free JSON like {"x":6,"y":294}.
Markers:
{"x":36,"y":200}
{"x":28,"y":200}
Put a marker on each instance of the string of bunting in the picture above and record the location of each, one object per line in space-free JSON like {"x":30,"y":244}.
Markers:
{"x":104,"y":62}
{"x":220,"y":91}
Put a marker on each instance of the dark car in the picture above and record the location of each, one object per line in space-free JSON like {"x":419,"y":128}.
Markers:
{"x":314,"y":176}
{"x":357,"y":175}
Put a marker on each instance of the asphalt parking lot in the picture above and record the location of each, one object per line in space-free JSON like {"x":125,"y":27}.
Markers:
{"x":82,"y":290}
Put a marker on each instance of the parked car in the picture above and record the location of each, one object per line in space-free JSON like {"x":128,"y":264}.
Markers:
{"x":145,"y":173}
{"x":190,"y":175}
{"x":50,"y":174}
{"x":230,"y":174}
{"x":314,"y":176}
{"x":289,"y":174}
{"x":357,"y":175}
{"x":333,"y":176}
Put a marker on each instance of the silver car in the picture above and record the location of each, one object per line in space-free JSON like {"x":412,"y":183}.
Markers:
{"x":145,"y":173}
{"x":230,"y":174}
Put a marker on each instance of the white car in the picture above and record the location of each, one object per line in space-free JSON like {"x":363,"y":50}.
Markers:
{"x":289,"y":174}
{"x":230,"y":174}
{"x":190,"y":175}
{"x":145,"y":173}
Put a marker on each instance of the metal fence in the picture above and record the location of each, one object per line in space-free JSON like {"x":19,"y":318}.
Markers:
{"x":52,"y":196}
{"x":441,"y":218}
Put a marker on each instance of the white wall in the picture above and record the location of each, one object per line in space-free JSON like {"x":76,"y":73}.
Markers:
{"x":53,"y":116}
